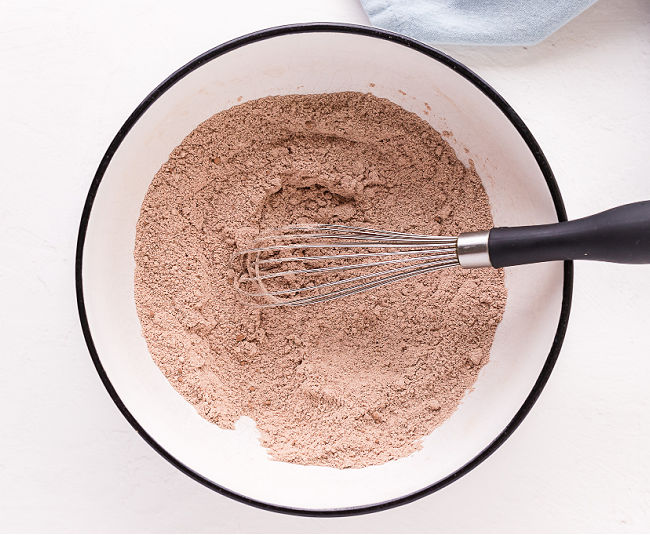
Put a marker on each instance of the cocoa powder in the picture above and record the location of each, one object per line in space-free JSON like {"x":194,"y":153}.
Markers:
{"x":347,"y":383}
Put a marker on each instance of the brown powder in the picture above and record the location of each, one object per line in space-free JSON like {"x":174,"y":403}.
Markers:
{"x":348,"y":383}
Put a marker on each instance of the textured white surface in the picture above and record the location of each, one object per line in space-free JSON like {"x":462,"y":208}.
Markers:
{"x":72,"y":72}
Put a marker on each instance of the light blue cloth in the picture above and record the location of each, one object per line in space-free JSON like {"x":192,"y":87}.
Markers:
{"x":474,"y":22}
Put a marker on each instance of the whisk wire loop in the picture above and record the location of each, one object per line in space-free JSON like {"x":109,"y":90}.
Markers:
{"x":384,"y":257}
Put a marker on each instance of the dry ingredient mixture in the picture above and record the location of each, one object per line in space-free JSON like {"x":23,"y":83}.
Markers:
{"x":347,"y":383}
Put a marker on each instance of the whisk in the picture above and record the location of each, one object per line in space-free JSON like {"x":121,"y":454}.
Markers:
{"x":312,"y":263}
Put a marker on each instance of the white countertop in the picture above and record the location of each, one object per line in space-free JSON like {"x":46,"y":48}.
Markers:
{"x":73,"y":71}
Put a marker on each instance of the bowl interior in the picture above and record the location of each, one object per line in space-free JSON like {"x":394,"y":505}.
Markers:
{"x":317,"y":62}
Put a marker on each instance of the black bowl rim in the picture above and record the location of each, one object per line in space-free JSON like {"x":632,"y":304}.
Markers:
{"x":368,"y":32}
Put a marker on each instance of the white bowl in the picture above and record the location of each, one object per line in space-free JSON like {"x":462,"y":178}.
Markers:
{"x":322,"y":58}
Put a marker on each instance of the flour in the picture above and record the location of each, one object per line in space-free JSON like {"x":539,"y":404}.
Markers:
{"x":347,"y":383}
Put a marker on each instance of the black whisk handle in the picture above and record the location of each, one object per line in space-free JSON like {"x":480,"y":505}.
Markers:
{"x":620,"y":235}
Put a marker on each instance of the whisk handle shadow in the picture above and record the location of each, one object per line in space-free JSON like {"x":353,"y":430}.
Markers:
{"x":620,"y":235}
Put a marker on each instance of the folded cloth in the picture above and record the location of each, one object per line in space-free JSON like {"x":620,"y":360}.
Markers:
{"x":474,"y":22}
